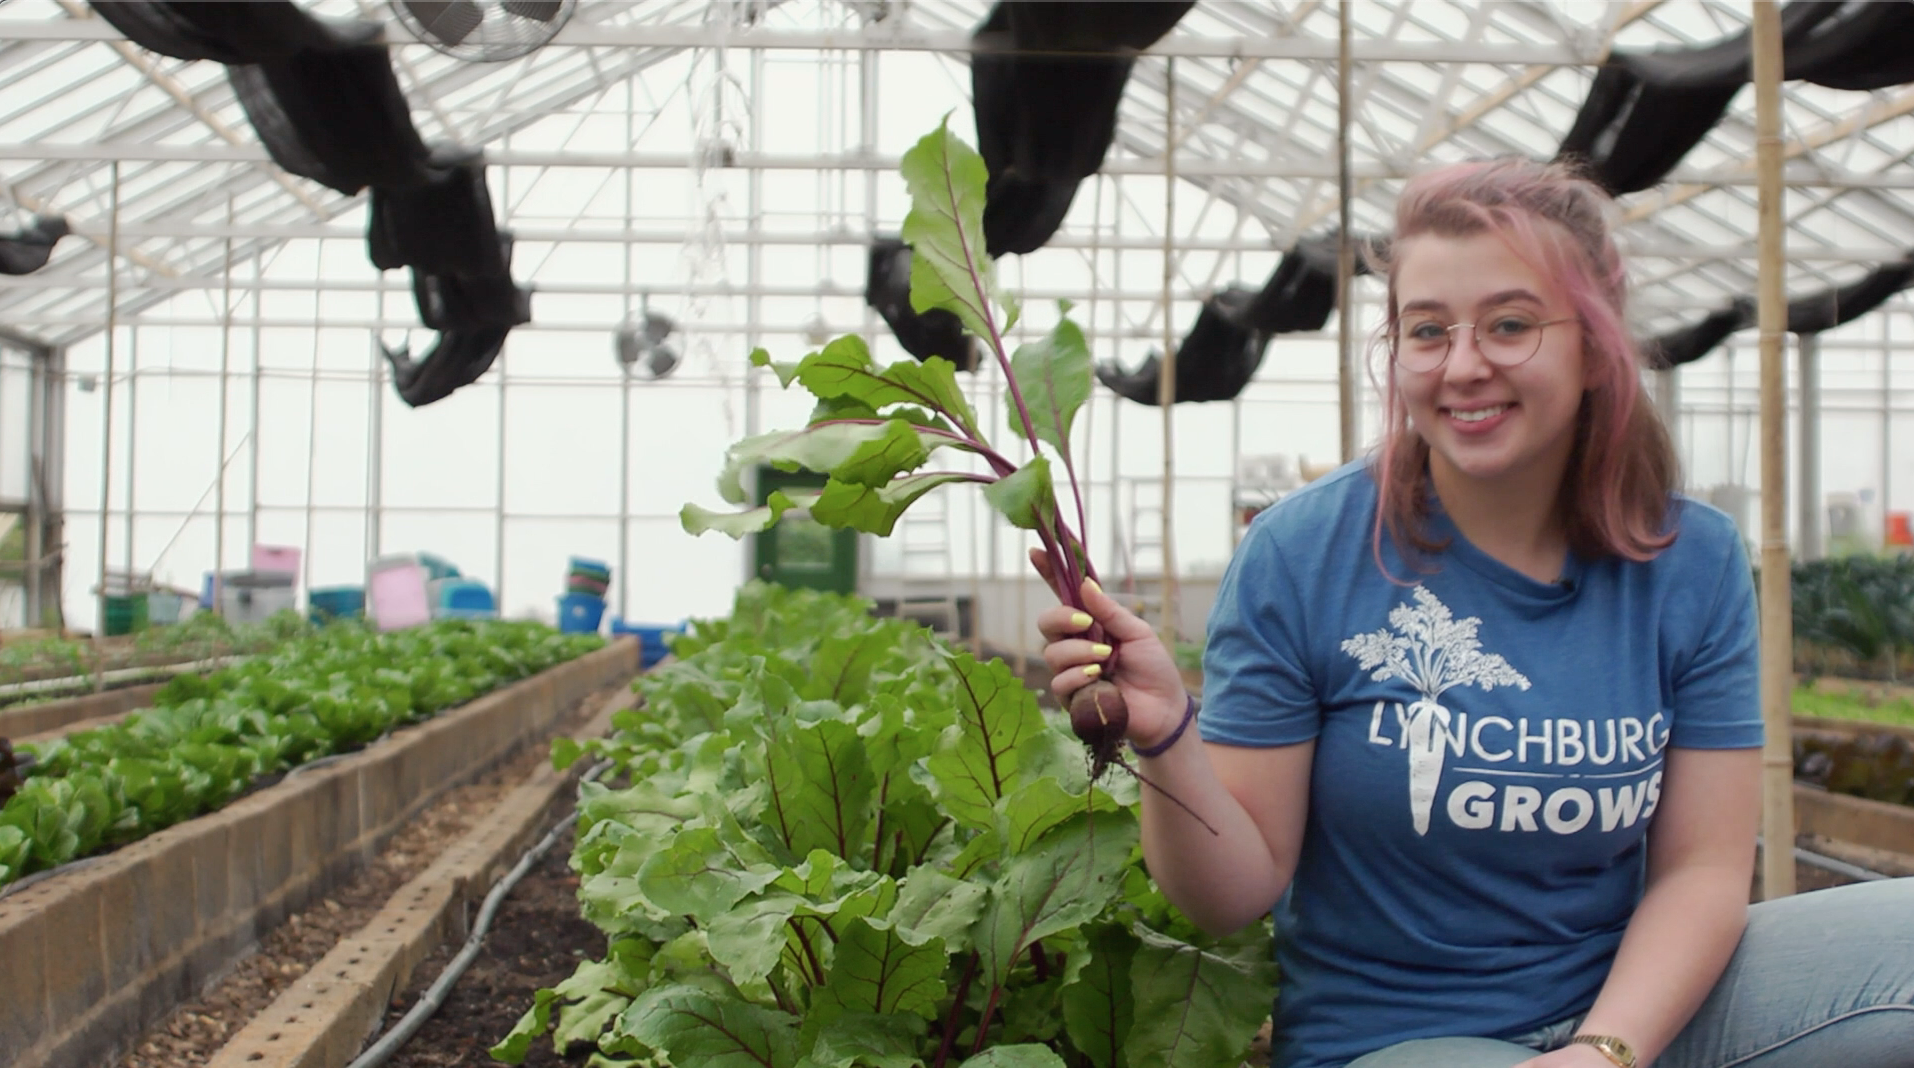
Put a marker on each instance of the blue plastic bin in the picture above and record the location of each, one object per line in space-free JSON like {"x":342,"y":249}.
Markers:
{"x":462,"y":598}
{"x":579,"y":613}
{"x":335,"y":602}
{"x":651,"y":639}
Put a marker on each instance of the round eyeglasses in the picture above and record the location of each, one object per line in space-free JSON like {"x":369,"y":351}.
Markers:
{"x":1505,"y":339}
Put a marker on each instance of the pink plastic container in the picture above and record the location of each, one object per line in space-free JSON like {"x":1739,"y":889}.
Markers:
{"x":396,"y":596}
{"x":281,"y":558}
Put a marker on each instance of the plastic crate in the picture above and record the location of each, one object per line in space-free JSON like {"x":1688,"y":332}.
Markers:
{"x":280,"y":558}
{"x":580,"y":614}
{"x":462,"y":598}
{"x":590,"y":586}
{"x":123,"y":613}
{"x":164,"y":606}
{"x":395,"y":594}
{"x":335,"y":602}
{"x":244,"y":602}
{"x":652,"y":646}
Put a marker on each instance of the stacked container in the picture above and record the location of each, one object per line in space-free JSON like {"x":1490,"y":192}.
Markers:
{"x":582,"y":607}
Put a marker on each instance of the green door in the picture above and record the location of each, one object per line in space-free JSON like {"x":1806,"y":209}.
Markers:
{"x":800,"y":551}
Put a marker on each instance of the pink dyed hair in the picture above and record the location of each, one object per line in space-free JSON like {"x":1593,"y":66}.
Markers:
{"x":1622,"y":472}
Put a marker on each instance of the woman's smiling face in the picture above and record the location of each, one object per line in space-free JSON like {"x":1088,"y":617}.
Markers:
{"x":1487,"y":423}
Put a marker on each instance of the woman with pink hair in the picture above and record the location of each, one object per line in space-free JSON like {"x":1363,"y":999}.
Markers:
{"x":1481,"y":721}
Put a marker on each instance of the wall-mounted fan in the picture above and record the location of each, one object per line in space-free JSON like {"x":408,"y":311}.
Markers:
{"x":641,"y":347}
{"x":485,"y":31}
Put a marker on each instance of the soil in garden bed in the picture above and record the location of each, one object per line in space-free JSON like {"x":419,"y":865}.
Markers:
{"x":536,"y":941}
{"x":194,"y":1032}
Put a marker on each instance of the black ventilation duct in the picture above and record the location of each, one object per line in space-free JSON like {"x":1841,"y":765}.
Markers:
{"x":249,"y":31}
{"x":1693,"y":342}
{"x":1301,"y":293}
{"x":1811,"y":314}
{"x":461,"y":300}
{"x":29,"y":250}
{"x":1046,"y":79}
{"x":1234,"y":328}
{"x":923,"y":335}
{"x":338,"y":118}
{"x":442,"y":226}
{"x":1828,"y":309}
{"x":1646,"y":110}
{"x":456,"y":359}
{"x":1217,"y":358}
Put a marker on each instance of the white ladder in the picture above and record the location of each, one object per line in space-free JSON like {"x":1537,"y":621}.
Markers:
{"x":927,"y":582}
{"x":1146,"y":541}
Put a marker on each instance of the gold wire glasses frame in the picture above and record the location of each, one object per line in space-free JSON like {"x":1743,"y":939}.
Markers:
{"x":1512,"y":340}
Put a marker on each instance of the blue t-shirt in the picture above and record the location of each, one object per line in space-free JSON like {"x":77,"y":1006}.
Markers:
{"x":1488,"y":757}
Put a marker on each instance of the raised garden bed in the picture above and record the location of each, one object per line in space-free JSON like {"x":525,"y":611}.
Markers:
{"x":1856,"y":739}
{"x":100,"y":950}
{"x":839,"y":834}
{"x":208,"y":739}
{"x":35,"y":723}
{"x":26,"y":664}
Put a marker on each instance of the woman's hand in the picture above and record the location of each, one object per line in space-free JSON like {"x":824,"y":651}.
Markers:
{"x":1133,"y":658}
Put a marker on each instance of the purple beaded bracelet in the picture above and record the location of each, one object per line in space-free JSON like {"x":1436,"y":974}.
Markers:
{"x":1189,"y":716}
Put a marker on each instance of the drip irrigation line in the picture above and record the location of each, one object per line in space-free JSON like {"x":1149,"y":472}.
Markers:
{"x":122,"y":674}
{"x":396,"y":1038}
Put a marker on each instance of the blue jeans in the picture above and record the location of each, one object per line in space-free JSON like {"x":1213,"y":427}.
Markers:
{"x":1820,"y":980}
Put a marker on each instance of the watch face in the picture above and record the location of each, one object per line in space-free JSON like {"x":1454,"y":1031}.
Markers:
{"x":1613,"y":1048}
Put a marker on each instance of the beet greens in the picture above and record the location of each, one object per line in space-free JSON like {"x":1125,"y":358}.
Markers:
{"x":875,"y":429}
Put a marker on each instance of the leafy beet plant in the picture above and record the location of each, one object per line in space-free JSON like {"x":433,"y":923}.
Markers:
{"x":839,"y":844}
{"x":875,"y":429}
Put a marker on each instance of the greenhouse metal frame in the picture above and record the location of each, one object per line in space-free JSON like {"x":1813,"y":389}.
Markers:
{"x":728,"y":164}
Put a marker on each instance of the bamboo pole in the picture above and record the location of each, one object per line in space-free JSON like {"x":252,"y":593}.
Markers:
{"x":1345,"y":248}
{"x":132,"y":446}
{"x":1777,"y":617}
{"x":1808,"y":542}
{"x":106,"y":385}
{"x":1166,"y":381}
{"x":225,"y":388}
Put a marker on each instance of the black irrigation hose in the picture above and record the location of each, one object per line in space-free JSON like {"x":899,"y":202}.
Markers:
{"x":401,"y":1033}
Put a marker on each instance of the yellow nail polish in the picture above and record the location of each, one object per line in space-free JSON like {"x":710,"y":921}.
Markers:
{"x":1093,"y":670}
{"x":1081,"y":620}
{"x":1099,"y":650}
{"x":1092,"y":583}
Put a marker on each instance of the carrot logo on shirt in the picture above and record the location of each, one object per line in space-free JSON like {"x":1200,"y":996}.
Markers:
{"x":1431,"y":650}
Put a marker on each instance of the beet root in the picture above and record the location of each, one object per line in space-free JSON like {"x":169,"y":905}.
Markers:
{"x":1100,"y":719}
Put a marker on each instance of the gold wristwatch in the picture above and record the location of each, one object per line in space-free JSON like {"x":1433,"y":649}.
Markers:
{"x":1609,"y":1046}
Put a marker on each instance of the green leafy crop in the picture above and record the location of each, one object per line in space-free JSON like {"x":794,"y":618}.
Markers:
{"x":209,"y":738}
{"x":875,"y":429}
{"x":842,"y":844}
